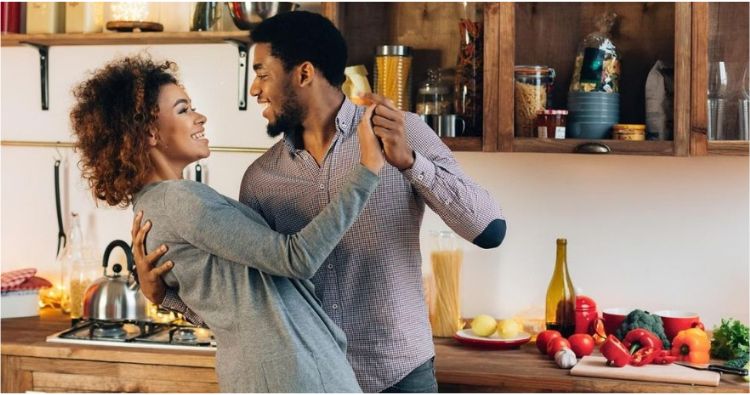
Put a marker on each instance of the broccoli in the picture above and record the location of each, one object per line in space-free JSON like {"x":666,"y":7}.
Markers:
{"x":642,"y":319}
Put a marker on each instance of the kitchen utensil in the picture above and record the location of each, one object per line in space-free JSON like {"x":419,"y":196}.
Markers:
{"x":467,"y":336}
{"x":715,"y":368}
{"x":198,"y":172}
{"x":675,"y":320}
{"x":716,"y":112}
{"x":114,"y":297}
{"x":596,"y":366}
{"x":448,"y":125}
{"x":61,"y":238}
{"x":207,"y":16}
{"x":248,"y":14}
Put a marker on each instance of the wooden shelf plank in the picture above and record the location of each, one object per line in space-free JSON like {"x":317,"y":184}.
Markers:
{"x":110,"y":38}
{"x":731,"y":148}
{"x":463,"y":143}
{"x":618,"y":147}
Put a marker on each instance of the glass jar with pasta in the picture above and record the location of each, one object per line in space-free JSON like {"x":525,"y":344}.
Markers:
{"x":532,"y":89}
{"x":447,"y":259}
{"x":393,"y":74}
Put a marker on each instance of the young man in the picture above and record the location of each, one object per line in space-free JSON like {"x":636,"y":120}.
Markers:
{"x":371,"y":285}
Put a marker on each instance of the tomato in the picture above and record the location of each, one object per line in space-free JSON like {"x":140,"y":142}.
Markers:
{"x":582,"y":344}
{"x":544,"y":337}
{"x":555,"y":345}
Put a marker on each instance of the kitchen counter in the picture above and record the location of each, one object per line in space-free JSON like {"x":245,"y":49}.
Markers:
{"x":30,"y":363}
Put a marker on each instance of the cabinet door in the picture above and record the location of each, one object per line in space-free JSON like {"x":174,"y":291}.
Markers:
{"x":549,"y":34}
{"x":719,"y":78}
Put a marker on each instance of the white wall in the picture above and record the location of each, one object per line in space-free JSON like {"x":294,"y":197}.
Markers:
{"x":643,"y":232}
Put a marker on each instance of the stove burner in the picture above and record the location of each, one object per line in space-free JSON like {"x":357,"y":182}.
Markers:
{"x":107,"y":330}
{"x":184,"y":335}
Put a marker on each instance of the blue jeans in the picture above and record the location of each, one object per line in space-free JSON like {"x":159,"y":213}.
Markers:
{"x":421,"y":379}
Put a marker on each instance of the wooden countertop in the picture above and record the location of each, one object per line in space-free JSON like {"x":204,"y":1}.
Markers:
{"x":459,"y":368}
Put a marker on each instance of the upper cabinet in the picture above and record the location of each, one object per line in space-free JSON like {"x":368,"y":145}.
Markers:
{"x":720,"y":79}
{"x":662,"y":52}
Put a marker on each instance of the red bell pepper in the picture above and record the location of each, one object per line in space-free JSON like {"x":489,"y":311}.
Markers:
{"x":615,"y":352}
{"x":643,"y":356}
{"x":641,"y":338}
{"x":664,"y":357}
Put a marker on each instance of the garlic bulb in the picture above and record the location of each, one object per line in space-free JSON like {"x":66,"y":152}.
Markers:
{"x":565,"y":358}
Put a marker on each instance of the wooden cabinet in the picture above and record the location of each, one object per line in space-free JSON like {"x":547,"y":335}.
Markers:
{"x":548,"y":34}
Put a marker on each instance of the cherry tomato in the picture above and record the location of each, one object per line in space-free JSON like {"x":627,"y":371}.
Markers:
{"x":582,"y":344}
{"x":555,"y":345}
{"x":544,"y":337}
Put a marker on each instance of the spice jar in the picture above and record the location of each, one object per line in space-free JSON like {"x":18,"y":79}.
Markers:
{"x":532,"y":88}
{"x":551,"y":124}
{"x":433,"y":96}
{"x":630,"y":132}
{"x":393,"y":74}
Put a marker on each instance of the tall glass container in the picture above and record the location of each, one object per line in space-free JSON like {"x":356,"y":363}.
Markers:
{"x":469,"y":68}
{"x":447,"y":259}
{"x":393,"y":74}
{"x":79,"y":270}
{"x":532,"y":89}
{"x":561,"y":296}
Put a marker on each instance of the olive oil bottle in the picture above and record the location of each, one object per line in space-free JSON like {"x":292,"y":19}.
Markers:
{"x":561,"y":296}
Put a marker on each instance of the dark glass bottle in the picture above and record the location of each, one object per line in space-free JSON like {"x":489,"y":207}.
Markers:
{"x":561,"y":295}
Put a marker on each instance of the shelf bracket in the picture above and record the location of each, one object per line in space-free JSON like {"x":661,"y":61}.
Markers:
{"x":242,"y":68}
{"x":44,"y":72}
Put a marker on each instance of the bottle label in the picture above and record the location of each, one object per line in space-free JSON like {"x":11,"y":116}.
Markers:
{"x":591,"y":69}
{"x":560,"y":132}
{"x":541,"y":132}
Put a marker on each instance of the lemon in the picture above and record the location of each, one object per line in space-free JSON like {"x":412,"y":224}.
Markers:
{"x":508,"y":328}
{"x":483,"y":325}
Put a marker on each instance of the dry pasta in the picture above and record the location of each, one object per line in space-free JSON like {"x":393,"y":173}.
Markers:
{"x":392,"y":79}
{"x":528,"y":100}
{"x":446,"y":308}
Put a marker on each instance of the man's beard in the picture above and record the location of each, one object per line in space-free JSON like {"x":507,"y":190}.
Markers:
{"x":289,"y":120}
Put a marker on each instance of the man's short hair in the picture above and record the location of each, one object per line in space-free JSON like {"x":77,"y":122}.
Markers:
{"x":299,"y":36}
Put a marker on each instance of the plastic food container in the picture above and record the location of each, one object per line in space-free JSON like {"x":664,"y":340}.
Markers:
{"x":632,"y":132}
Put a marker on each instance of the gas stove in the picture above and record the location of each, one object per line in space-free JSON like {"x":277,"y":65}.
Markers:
{"x":175,"y":335}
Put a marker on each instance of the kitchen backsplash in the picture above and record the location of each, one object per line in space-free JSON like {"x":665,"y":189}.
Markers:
{"x":647,"y":232}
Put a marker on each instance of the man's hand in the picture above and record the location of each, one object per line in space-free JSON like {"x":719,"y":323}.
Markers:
{"x":388,"y":125}
{"x":152,"y":285}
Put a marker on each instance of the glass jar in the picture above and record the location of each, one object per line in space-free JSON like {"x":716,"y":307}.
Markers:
{"x":469,"y":69}
{"x":393,"y":74}
{"x":551,"y":124}
{"x":532,"y":89}
{"x":447,"y":259}
{"x":433,"y":96}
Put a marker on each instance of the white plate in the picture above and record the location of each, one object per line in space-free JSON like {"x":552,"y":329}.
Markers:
{"x":467,"y":336}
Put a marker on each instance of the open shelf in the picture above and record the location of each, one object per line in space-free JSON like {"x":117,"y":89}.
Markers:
{"x":48,"y":40}
{"x":731,"y":148}
{"x":618,"y":147}
{"x":463,"y":143}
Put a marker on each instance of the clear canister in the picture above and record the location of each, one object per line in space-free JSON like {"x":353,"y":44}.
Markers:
{"x":433,"y":96}
{"x":393,"y":74}
{"x":447,"y":259}
{"x":532,"y":89}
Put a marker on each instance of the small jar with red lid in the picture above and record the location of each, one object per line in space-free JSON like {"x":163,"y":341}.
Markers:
{"x":551,"y":124}
{"x":586,"y":314}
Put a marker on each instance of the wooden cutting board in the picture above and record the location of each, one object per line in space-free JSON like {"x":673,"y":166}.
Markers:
{"x":593,"y":366}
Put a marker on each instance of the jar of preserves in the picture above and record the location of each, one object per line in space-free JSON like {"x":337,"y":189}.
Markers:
{"x":632,"y":132}
{"x":551,"y":124}
{"x":393,"y":74}
{"x":532,"y":89}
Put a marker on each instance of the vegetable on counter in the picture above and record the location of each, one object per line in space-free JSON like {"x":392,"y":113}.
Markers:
{"x":642,"y":319}
{"x":615,"y":352}
{"x":565,"y":358}
{"x":692,"y":345}
{"x":731,"y":341}
{"x":643,"y":346}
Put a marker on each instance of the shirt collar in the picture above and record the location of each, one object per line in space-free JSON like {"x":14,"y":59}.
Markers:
{"x":345,"y":123}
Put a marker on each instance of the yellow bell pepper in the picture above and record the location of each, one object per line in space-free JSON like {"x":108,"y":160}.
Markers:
{"x":692,"y":345}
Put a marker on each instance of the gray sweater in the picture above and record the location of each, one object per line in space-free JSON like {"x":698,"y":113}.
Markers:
{"x":251,"y":284}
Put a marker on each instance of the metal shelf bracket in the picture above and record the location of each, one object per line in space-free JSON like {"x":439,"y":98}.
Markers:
{"x":44,"y":72}
{"x":242,"y":70}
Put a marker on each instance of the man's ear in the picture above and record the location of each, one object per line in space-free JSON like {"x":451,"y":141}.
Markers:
{"x":306,"y":73}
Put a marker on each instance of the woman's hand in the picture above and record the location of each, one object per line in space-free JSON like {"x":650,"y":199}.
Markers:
{"x":149,"y":277}
{"x":370,"y":151}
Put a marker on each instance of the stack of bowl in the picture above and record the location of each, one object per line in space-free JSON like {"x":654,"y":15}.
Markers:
{"x":592,"y":114}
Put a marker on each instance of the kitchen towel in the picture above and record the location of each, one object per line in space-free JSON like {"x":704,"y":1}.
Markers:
{"x":22,"y":279}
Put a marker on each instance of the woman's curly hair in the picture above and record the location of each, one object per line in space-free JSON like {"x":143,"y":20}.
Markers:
{"x":115,"y":110}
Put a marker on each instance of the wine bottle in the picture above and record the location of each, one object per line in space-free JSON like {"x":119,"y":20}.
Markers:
{"x":561,"y":296}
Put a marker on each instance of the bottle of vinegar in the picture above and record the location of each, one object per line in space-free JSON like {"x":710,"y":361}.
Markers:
{"x":561,"y":296}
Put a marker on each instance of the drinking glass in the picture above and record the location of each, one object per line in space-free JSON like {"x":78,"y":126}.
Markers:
{"x":717,"y":90}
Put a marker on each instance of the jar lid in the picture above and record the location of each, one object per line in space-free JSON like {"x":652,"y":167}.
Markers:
{"x":625,"y":126}
{"x":532,"y":70}
{"x":393,"y":50}
{"x":552,"y":112}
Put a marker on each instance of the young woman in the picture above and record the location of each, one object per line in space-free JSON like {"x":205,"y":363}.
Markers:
{"x":136,"y":131}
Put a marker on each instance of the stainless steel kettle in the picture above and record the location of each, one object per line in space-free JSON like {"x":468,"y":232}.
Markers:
{"x":115,"y":297}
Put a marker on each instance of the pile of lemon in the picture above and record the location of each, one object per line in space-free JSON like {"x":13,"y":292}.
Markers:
{"x":484,"y":325}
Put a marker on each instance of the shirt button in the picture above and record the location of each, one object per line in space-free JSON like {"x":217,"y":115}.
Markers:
{"x":330,"y":266}
{"x":321,"y":186}
{"x":343,"y":125}
{"x":420,"y":177}
{"x":334,"y":306}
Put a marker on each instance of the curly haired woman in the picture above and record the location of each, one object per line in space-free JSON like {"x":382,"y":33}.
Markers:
{"x":136,"y":131}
